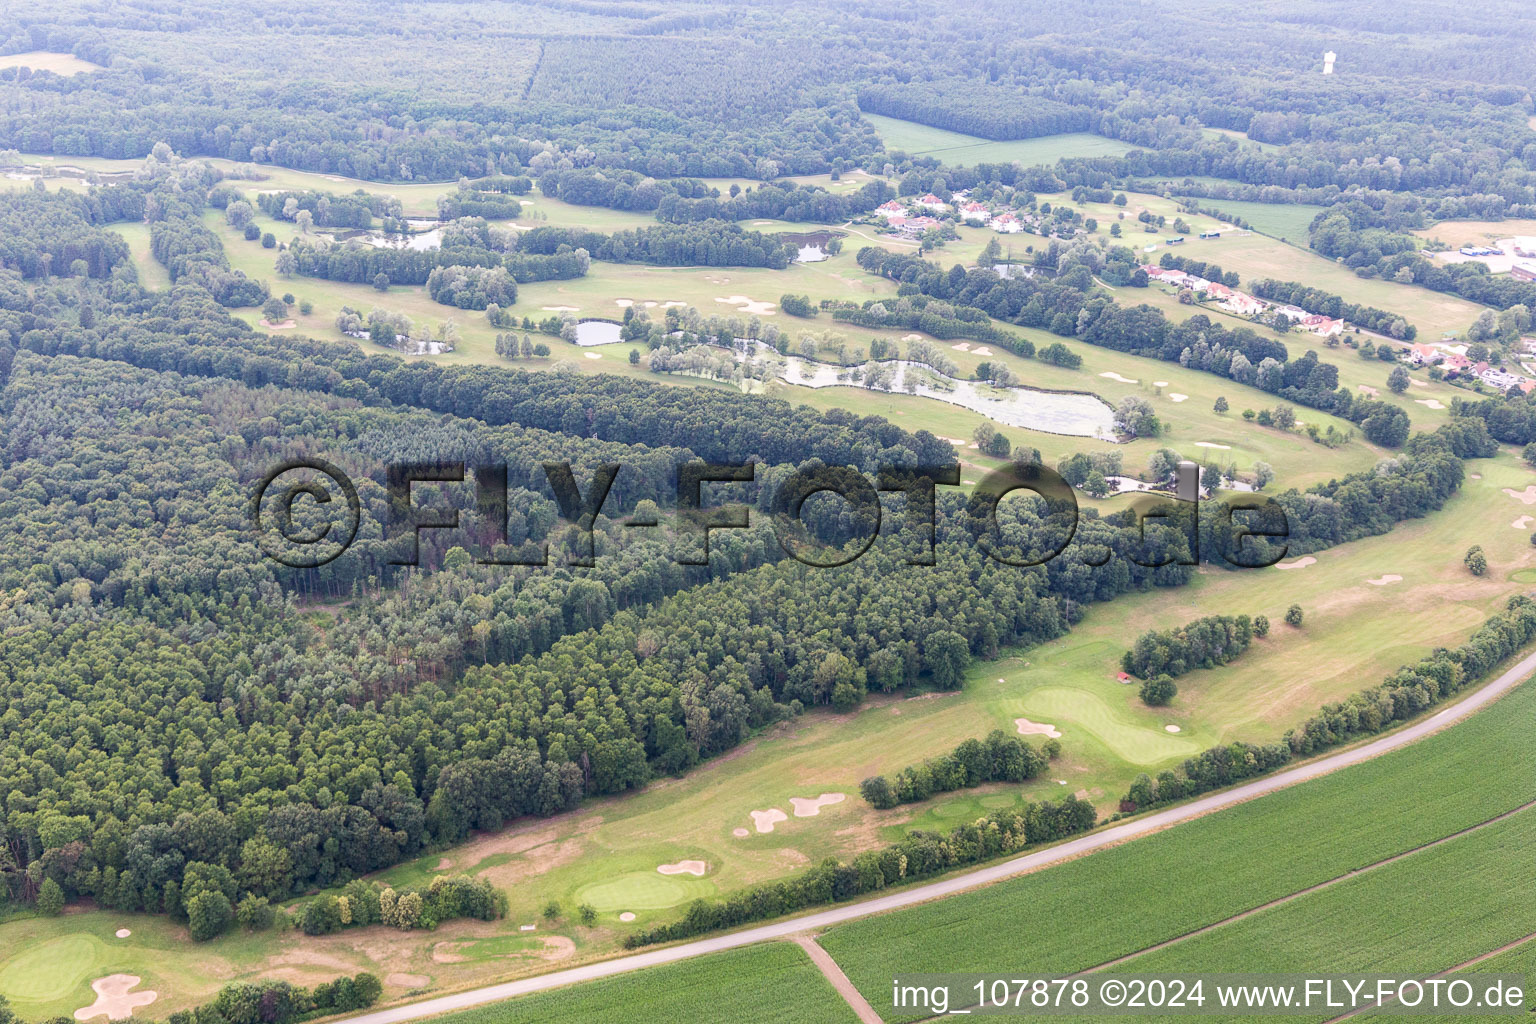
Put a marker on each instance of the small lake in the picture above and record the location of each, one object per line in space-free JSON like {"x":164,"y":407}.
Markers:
{"x":1053,"y":412}
{"x":598,"y":332}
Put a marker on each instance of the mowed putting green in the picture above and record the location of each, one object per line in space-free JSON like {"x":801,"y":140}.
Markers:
{"x":642,"y":890}
{"x":52,"y":970}
{"x":1131,"y":740}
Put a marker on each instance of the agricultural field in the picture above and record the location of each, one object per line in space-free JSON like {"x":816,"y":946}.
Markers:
{"x":1128,"y":898}
{"x":956,"y":148}
{"x":769,"y":984}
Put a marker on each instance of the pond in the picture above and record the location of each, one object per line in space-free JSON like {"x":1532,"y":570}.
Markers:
{"x":598,"y":332}
{"x":1053,"y":412}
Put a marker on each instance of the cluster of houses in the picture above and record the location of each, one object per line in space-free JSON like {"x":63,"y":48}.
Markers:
{"x":1456,"y":364}
{"x":1242,"y":303}
{"x":903,"y":220}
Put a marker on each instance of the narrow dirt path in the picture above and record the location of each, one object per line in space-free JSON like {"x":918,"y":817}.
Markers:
{"x":828,"y":967}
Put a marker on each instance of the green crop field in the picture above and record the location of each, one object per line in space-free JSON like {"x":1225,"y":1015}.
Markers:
{"x":1420,"y":915}
{"x":1118,"y":901}
{"x":957,"y":148}
{"x":769,"y":984}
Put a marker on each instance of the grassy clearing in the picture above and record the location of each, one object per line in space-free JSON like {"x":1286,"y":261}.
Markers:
{"x":46,"y":60}
{"x":1457,"y":233}
{"x":1240,"y":137}
{"x":152,"y":273}
{"x":774,"y":983}
{"x":957,"y":148}
{"x":1092,"y":910}
{"x":1288,"y":222}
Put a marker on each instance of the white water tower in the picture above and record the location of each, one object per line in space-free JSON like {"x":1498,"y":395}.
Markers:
{"x":1328,"y":59}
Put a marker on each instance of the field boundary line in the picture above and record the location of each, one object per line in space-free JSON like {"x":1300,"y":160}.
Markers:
{"x":834,"y":974}
{"x":1327,"y":883}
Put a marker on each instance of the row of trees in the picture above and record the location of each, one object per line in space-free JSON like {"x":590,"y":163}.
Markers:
{"x":364,"y":903}
{"x":917,"y":856}
{"x":1204,"y":643}
{"x":998,"y":758}
{"x":1315,"y":300}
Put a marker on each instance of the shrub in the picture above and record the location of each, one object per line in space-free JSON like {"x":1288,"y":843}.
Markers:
{"x":1158,"y":691}
{"x":1293,"y":616}
{"x":50,"y":898}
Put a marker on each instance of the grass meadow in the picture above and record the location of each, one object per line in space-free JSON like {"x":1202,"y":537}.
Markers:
{"x":957,"y":148}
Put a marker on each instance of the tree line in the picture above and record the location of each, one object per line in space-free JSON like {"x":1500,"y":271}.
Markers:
{"x":998,"y":758}
{"x":917,"y":856}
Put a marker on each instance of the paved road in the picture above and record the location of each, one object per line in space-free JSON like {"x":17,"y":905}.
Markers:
{"x":969,"y":880}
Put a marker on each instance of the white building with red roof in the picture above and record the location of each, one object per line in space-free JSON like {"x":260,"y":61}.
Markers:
{"x":1006,"y":224}
{"x":932,"y":202}
{"x":891,"y":209}
{"x":975,"y":213}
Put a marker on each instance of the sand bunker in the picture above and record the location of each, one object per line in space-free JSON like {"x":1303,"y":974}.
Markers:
{"x":1433,"y":403}
{"x":1474,"y":476}
{"x":672,"y":302}
{"x":1382,"y":581}
{"x":765,"y":820}
{"x":444,"y":864}
{"x":281,"y":325}
{"x":740,"y":833}
{"x":525,"y":202}
{"x":122,"y":933}
{"x":963,"y":346}
{"x":911,"y":337}
{"x":685,"y":867}
{"x":113,"y":998}
{"x":1028,"y":728}
{"x":1159,"y":383}
{"x":592,"y":355}
{"x":1528,"y":496}
{"x":400,"y":979}
{"x":1300,"y":563}
{"x":558,"y":309}
{"x":627,"y":916}
{"x":1418,"y":383}
{"x":805,"y":807}
{"x":1171,"y":728}
{"x":747,"y":305}
{"x":760,"y":223}
{"x":982,"y":351}
{"x":1368,"y":390}
{"x":527,"y":927}
{"x":1521,"y":523}
{"x":1212,"y":444}
{"x":1112,"y":375}
{"x":624,"y":303}
{"x":1178,"y":397}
